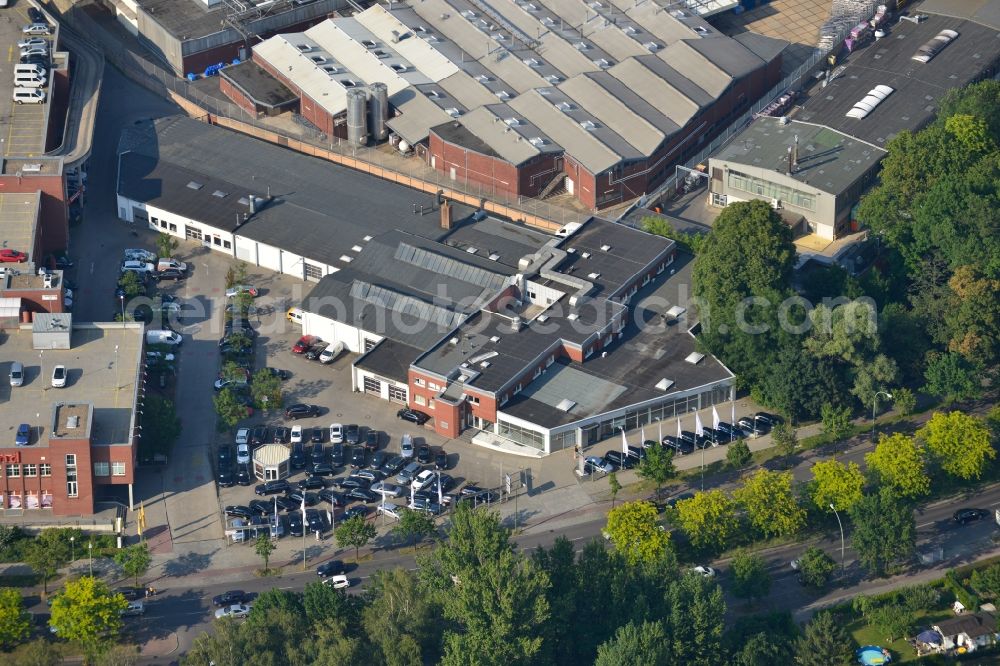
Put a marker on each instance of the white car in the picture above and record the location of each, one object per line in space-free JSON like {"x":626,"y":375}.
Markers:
{"x":236,"y":610}
{"x":296,"y":434}
{"x":34,"y":50}
{"x":423,"y":480}
{"x":704,"y":570}
{"x":32,"y":42}
{"x":338,"y":582}
{"x":336,"y":433}
{"x":243,"y":435}
{"x":36,"y":29}
{"x":243,"y":454}
{"x":59,"y":376}
{"x":389,"y":509}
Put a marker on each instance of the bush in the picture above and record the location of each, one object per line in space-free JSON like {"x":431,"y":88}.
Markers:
{"x":919,"y":597}
{"x":962,"y":595}
{"x":986,"y":581}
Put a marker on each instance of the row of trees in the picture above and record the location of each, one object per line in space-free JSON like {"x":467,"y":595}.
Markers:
{"x":925,"y":315}
{"x":900,"y":470}
{"x":475,"y":599}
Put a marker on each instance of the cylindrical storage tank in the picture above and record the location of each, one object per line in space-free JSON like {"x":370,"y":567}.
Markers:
{"x":378,"y":107}
{"x":357,"y":117}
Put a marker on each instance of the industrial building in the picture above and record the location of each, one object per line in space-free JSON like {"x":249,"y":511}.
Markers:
{"x":599,"y":100}
{"x":884,"y":87}
{"x":71,"y":438}
{"x":537,"y":340}
{"x":191,"y":35}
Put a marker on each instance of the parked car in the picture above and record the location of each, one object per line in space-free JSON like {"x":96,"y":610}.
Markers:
{"x":261,"y":507}
{"x":387,"y":489}
{"x":963,"y":516}
{"x":236,"y":611}
{"x":346,"y":483}
{"x":424,"y":455}
{"x":282,"y":435}
{"x":389,"y":509}
{"x":406,"y":446}
{"x":319,"y":435}
{"x":322,"y":469}
{"x":362,"y":494}
{"x":238,"y":511}
{"x":286,"y":503}
{"x":238,"y":289}
{"x":413,"y":416}
{"x":334,"y":497}
{"x":313,"y":352}
{"x":422,"y":480}
{"x":297,"y":496}
{"x":732,"y":431}
{"x":370,"y":475}
{"x":336,"y":433}
{"x":619,"y":460}
{"x":592,"y":464}
{"x":331,"y":352}
{"x":356,"y":510}
{"x":751,"y":427}
{"x":283,"y":375}
{"x":36,"y":16}
{"x":371,"y":439}
{"x":300,"y":411}
{"x":231,"y":597}
{"x":9,"y":256}
{"x":23,"y":436}
{"x":408,"y":473}
{"x":297,"y":434}
{"x":311,"y":483}
{"x":426,"y":505}
{"x":226,"y":478}
{"x":338,"y":456}
{"x":392,"y":465}
{"x":16,"y":374}
{"x":59,"y":374}
{"x":304,"y":343}
{"x":337,"y":582}
{"x":170,"y":274}
{"x":32,"y":41}
{"x":272,"y":487}
{"x":358,"y":457}
{"x":242,"y":454}
{"x":352,"y":434}
{"x":243,"y":436}
{"x":259,"y":435}
{"x":440,"y":459}
{"x":379,"y":459}
{"x":36,"y":29}
{"x":295,"y":525}
{"x":704,"y":570}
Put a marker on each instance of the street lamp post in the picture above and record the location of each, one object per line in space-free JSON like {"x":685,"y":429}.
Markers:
{"x":122,"y":299}
{"x":72,"y":550}
{"x":874,"y":404}
{"x":841,"y":535}
{"x":90,"y":551}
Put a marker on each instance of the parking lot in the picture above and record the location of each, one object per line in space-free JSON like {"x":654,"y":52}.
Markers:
{"x":23,"y":132}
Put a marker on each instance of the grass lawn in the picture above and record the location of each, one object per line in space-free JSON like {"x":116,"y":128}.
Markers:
{"x":865,"y":634}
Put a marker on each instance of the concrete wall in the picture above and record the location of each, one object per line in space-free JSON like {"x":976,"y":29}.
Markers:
{"x":160,"y":220}
{"x":331,"y":330}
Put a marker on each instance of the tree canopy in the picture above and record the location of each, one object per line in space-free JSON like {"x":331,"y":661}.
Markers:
{"x":635,"y":530}
{"x":959,"y":444}
{"x":709,"y":519}
{"x":87,"y":612}
{"x":898,"y":462}
{"x":770,"y":503}
{"x":875,"y":516}
{"x":837,"y":484}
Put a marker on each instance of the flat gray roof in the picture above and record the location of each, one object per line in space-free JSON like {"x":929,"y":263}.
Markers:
{"x":190,"y":19}
{"x":390,"y":359}
{"x":101,"y":366}
{"x":985,"y":12}
{"x":918,"y":87}
{"x":258,"y":85}
{"x":828,"y":160}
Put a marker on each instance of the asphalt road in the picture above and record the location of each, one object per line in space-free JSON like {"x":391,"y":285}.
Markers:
{"x":189,"y":611}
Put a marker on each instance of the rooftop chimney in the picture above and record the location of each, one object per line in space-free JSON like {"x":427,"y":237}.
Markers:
{"x":788,"y":171}
{"x":795,"y":154}
{"x":446,"y":214}
{"x":253,"y":203}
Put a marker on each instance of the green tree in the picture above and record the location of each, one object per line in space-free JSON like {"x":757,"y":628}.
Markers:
{"x":836,"y":421}
{"x":657,"y":467}
{"x":414,"y":525}
{"x":401,"y":619}
{"x":322,"y":602}
{"x":874,"y":517}
{"x":825,"y":642}
{"x":165,"y":244}
{"x":873,"y":377}
{"x":15,"y":621}
{"x":229,"y":408}
{"x":894,"y":621}
{"x":770,"y":503}
{"x":239,"y":340}
{"x":898,"y":462}
{"x":694,"y":620}
{"x":266,"y":390}
{"x":747,"y":255}
{"x":45,"y":554}
{"x":132,"y":284}
{"x":264,"y":547}
{"x":232,"y":371}
{"x":636,"y":533}
{"x":236,"y":274}
{"x":87,"y":612}
{"x":690,"y":242}
{"x":225,"y":646}
{"x":738,"y":455}
{"x":762,"y":650}
{"x":951,"y":377}
{"x":816,"y":567}
{"x":709,"y":519}
{"x":800,"y":384}
{"x":836,"y":483}
{"x":119,"y":655}
{"x":495,"y":597}
{"x":785,"y":439}
{"x":750,"y":578}
{"x":354,"y":533}
{"x":161,"y":428}
{"x":958,"y":443}
{"x":134,"y":560}
{"x":904,"y":401}
{"x":635,"y":645}
{"x":614,"y":486}
{"x":847,"y":332}
{"x":986,"y":582}
{"x":38,"y":652}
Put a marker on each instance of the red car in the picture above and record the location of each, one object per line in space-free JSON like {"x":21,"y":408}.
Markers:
{"x":12,"y":256}
{"x":305,"y":343}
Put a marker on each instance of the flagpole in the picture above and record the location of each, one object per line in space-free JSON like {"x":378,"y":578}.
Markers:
{"x":303,"y":509}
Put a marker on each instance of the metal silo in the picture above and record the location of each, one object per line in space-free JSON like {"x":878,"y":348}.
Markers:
{"x":357,"y":117}
{"x":378,"y":107}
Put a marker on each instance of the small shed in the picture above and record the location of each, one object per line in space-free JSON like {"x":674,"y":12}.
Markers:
{"x":270,"y":462}
{"x":52,"y":330}
{"x":10,"y":312}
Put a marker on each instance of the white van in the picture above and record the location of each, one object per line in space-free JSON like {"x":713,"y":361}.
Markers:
{"x":29,"y":80}
{"x":163,"y":337}
{"x":33,"y":68}
{"x":331,"y":352}
{"x":166,"y":262}
{"x":29,"y":96}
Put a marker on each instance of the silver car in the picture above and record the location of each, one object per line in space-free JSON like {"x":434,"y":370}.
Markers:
{"x":386,"y":489}
{"x":16,"y":374}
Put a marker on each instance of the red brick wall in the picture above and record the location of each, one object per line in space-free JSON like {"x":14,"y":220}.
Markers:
{"x":54,"y":455}
{"x":447,"y":419}
{"x":110,"y":454}
{"x":31,"y":299}
{"x":495,"y":174}
{"x":308,"y":107}
{"x":237,"y":96}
